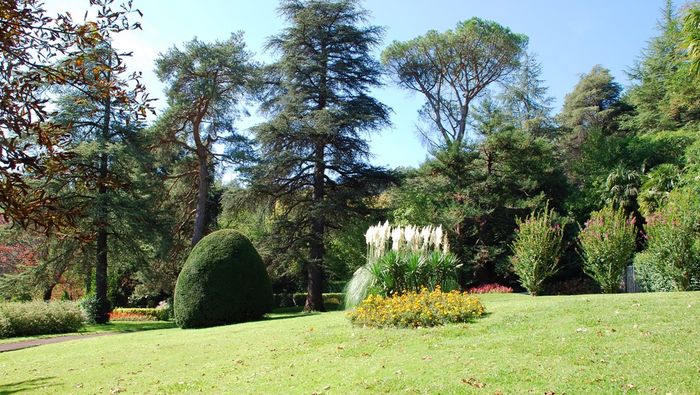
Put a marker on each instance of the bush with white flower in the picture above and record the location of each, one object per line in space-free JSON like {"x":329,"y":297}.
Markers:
{"x":403,"y":259}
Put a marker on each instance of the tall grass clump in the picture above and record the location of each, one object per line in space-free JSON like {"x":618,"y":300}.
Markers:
{"x":536,"y":249}
{"x":671,"y":261}
{"x":39,"y":318}
{"x":402,"y":259}
{"x":608,"y":241}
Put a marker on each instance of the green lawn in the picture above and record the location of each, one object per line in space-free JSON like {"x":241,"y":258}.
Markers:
{"x":636,"y":343}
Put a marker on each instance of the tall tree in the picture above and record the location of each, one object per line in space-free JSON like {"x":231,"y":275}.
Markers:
{"x":661,"y":94}
{"x":526,"y":101}
{"x":108,"y":187}
{"x":312,"y":149}
{"x":592,"y":103}
{"x":32,"y":149}
{"x":206,"y":82}
{"x":451,"y":69}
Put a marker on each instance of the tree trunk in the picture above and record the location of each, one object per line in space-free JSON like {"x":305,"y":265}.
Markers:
{"x":200,"y":219}
{"x":314,"y":297}
{"x":47,"y":292}
{"x":102,"y":221}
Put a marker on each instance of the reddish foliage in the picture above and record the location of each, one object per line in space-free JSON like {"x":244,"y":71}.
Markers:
{"x":12,"y":256}
{"x":491,"y":288}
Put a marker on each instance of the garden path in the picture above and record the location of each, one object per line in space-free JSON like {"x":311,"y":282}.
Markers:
{"x":48,"y":340}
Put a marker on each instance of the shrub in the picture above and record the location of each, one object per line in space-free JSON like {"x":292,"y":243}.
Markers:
{"x":491,"y":289}
{"x":222,"y":282}
{"x":672,"y":258}
{"x":91,"y":308}
{"x":39,"y":318}
{"x":417,"y":309}
{"x":139,"y":314}
{"x":607,"y":241}
{"x":403,"y":259}
{"x":536,"y":249}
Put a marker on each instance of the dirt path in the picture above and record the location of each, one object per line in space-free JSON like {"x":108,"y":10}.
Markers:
{"x":58,"y":339}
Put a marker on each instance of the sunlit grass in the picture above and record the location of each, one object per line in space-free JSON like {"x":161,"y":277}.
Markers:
{"x":591,"y":344}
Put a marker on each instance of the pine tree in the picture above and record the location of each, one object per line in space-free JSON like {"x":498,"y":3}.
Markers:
{"x":312,"y":149}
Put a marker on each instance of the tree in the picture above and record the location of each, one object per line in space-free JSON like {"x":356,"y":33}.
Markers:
{"x":593,"y":104}
{"x":206,"y":83}
{"x":525,"y":99}
{"x":312,"y":149}
{"x":451,"y":69}
{"x":662,"y":96}
{"x":109,"y":187}
{"x":32,"y":149}
{"x":691,"y":37}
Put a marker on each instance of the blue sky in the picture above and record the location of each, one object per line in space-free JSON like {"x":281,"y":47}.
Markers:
{"x":568,"y":37}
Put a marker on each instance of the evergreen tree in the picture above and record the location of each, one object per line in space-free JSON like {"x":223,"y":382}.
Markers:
{"x":312,"y":149}
{"x":110,"y":185}
{"x":525,"y":99}
{"x":206,"y":84}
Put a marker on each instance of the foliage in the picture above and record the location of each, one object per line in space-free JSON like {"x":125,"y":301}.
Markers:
{"x":451,"y":69}
{"x":402,"y":259}
{"x":222,"y":282}
{"x":691,"y":37}
{"x":608,"y":243}
{"x":477,"y":192}
{"x":313,"y":151}
{"x":39,"y":318}
{"x":90,"y":306}
{"x":671,"y":260}
{"x":31,"y":42}
{"x":525,"y":99}
{"x":536,"y":249}
{"x":139,"y":314}
{"x":413,"y":309}
{"x":333,"y":300}
{"x":490,"y":288}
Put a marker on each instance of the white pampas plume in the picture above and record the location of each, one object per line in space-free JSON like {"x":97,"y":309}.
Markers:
{"x":396,"y":237}
{"x":410,"y":234}
{"x":436,"y":238}
{"x":425,"y":236}
{"x":445,"y":246}
{"x":369,"y":235}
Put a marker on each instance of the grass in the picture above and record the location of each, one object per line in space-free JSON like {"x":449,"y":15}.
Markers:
{"x":629,"y":343}
{"x":114,"y":326}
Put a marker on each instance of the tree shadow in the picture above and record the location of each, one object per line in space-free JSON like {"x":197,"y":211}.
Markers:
{"x":285,"y":316}
{"x":27,"y":385}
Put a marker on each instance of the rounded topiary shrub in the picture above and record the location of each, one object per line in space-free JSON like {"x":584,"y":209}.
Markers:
{"x":222,"y":282}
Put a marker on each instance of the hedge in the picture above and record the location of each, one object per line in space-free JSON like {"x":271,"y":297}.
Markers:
{"x":39,"y":318}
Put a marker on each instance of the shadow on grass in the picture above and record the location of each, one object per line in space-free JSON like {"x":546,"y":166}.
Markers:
{"x":27,"y":385}
{"x":128,"y":326}
{"x":282,"y":313}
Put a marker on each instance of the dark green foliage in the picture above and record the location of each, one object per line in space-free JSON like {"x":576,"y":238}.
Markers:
{"x":313,"y":148}
{"x":222,"y":282}
{"x":671,"y":261}
{"x":332,"y":301}
{"x":90,"y":306}
{"x":39,"y":318}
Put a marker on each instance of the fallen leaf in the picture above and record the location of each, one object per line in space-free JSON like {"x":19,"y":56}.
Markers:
{"x":474,"y":382}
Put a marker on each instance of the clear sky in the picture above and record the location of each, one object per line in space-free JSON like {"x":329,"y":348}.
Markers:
{"x":569,"y":38}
